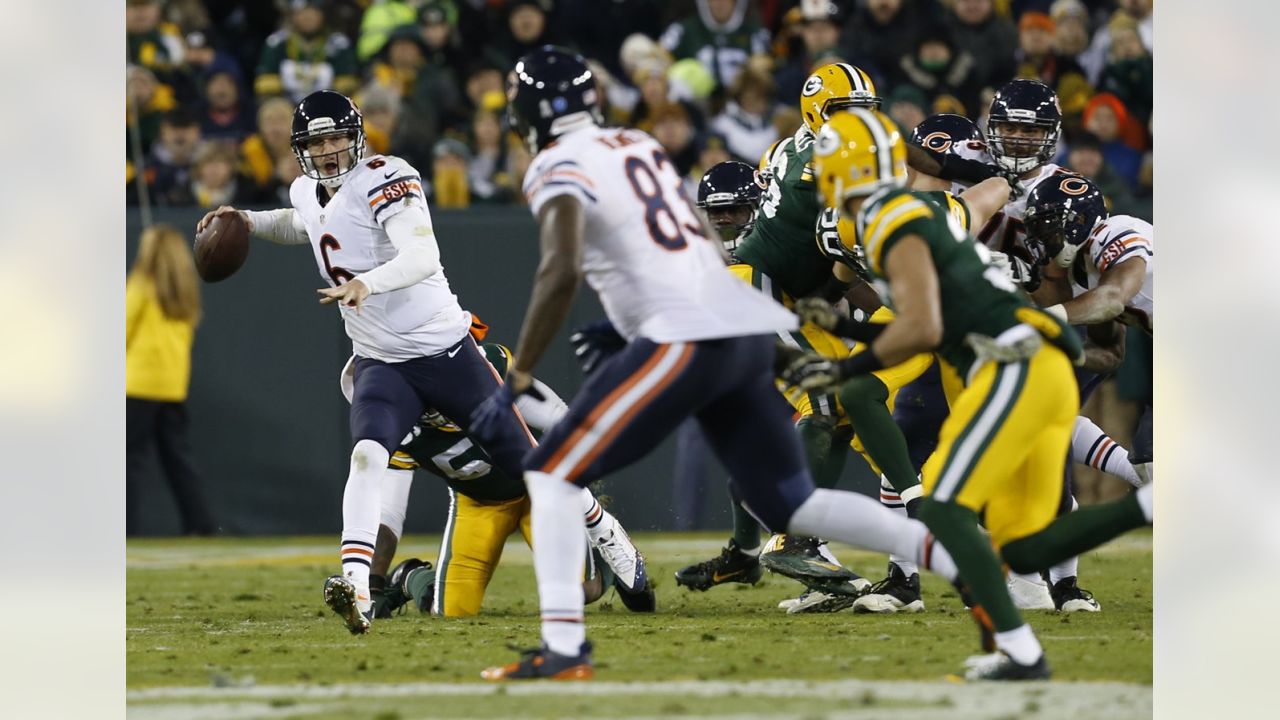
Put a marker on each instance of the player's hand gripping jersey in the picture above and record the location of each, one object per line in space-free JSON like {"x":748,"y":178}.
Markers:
{"x":1005,"y":230}
{"x":348,"y":237}
{"x":647,"y":253}
{"x":1117,"y":239}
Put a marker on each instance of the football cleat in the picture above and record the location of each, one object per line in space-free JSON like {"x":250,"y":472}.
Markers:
{"x":1029,"y":594}
{"x":641,"y":598}
{"x":622,"y":557}
{"x":731,"y":565}
{"x":395,"y":596}
{"x":800,"y":559}
{"x":543,"y":664}
{"x":999,"y":666}
{"x":895,"y":593}
{"x":341,"y":596}
{"x":815,"y":601}
{"x":1070,"y":597}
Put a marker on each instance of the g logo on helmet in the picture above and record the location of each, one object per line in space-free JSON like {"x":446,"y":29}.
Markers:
{"x":938,"y":141}
{"x":811,"y":86}
{"x":1074,"y":186}
{"x":827,"y":143}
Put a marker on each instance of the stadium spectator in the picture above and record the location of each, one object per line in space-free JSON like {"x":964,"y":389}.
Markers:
{"x":656,"y":94}
{"x":882,"y":32}
{"x":169,"y":169}
{"x":908,"y":106}
{"x":526,"y":29}
{"x":486,"y":88}
{"x":151,"y":43}
{"x":381,"y":109}
{"x":400,"y":60}
{"x":150,"y":101}
{"x":1037,"y":58}
{"x":1086,"y":158}
{"x":449,"y":174}
{"x":485,"y":171}
{"x":303,"y":58}
{"x":379,"y":19}
{"x":223,"y":115}
{"x":1106,"y":117}
{"x":162,"y":309}
{"x":1071,"y":28}
{"x":202,"y":60}
{"x":747,"y":120}
{"x":598,"y":29}
{"x":214,"y":179}
{"x":721,"y":36}
{"x":1129,"y":74}
{"x":988,"y":37}
{"x":266,"y":157}
{"x":819,"y":26}
{"x":947,"y":77}
{"x":713,"y":149}
{"x":1137,"y":12}
{"x":673,"y":129}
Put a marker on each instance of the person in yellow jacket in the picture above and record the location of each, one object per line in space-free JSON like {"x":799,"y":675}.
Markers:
{"x":162,"y":309}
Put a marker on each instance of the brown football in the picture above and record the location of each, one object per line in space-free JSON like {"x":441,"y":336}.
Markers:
{"x":221,"y":249}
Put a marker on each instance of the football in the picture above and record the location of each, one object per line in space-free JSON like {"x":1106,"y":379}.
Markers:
{"x":221,"y":249}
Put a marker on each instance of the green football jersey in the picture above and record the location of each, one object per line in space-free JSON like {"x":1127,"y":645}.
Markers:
{"x":976,"y":297}
{"x":442,"y":449}
{"x":783,"y":244}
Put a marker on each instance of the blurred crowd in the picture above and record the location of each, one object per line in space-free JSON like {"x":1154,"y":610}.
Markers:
{"x":212,"y":83}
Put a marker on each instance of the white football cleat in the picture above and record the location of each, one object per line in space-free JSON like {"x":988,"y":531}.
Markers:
{"x":1029,"y":594}
{"x":622,"y":557}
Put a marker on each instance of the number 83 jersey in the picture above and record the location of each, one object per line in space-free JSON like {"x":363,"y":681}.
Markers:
{"x":348,"y":236}
{"x":646,"y":253}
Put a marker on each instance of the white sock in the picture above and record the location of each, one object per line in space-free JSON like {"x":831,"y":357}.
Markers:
{"x":1033,"y":578}
{"x":1094,"y":447}
{"x":1020,"y":644}
{"x":897,"y":503}
{"x":395,"y":498}
{"x":862,"y":522}
{"x":361,"y":509}
{"x":599,"y":523}
{"x":1069,"y":567}
{"x":559,"y":547}
{"x":1146,"y":499}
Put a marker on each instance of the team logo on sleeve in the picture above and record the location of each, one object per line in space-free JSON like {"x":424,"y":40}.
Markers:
{"x":811,"y":86}
{"x":1074,"y":186}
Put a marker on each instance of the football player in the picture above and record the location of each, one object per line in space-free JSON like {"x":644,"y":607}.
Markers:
{"x":730,"y":194}
{"x":485,"y":507}
{"x":700,"y":343}
{"x":1001,"y":451}
{"x":1099,"y":268}
{"x":781,"y":258}
{"x":369,"y":229}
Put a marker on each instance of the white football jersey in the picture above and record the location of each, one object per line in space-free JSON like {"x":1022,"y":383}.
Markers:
{"x":1117,"y":239}
{"x":647,"y":257}
{"x":1005,"y":231}
{"x":970,"y":150}
{"x":348,"y":239}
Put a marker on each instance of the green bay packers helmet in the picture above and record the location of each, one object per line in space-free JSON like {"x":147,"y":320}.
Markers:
{"x":835,"y":86}
{"x":857,"y":153}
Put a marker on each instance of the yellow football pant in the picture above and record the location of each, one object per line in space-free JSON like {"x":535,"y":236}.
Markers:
{"x":1001,"y":451}
{"x":473,"y":540}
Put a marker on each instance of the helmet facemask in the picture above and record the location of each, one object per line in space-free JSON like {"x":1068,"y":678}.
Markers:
{"x":326,"y":168}
{"x":1056,"y":233}
{"x":732,"y":220}
{"x":1021,"y":154}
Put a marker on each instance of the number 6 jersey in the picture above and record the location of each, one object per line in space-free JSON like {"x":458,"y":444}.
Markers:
{"x":348,"y":238}
{"x":646,"y":254}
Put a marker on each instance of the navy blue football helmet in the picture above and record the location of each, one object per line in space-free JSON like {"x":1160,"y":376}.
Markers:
{"x":1028,"y":104}
{"x":321,"y":114}
{"x":551,"y":90}
{"x":939,"y":132}
{"x":730,"y":192}
{"x":1062,"y":211}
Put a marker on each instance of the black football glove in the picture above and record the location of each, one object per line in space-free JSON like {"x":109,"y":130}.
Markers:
{"x":595,"y":343}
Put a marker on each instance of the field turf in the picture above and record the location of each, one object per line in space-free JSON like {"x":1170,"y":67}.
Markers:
{"x":235,"y":628}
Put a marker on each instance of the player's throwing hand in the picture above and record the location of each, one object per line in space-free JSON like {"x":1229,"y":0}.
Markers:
{"x":350,"y":293}
{"x":224,"y":210}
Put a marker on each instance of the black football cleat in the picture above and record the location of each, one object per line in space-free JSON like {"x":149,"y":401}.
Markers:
{"x":731,"y":565}
{"x":999,"y":666}
{"x":798,"y":558}
{"x":896,"y":593}
{"x":1070,"y":597}
{"x":543,"y":664}
{"x":640,"y":598}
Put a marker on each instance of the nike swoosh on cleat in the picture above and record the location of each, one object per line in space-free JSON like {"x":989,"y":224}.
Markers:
{"x":717,"y":577}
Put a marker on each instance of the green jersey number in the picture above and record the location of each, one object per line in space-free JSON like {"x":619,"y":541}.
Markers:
{"x":462,"y":461}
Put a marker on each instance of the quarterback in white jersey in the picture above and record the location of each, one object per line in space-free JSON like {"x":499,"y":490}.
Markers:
{"x":700,"y":343}
{"x":367,"y":222}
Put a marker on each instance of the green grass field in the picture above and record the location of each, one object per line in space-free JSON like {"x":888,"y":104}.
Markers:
{"x":235,"y":628}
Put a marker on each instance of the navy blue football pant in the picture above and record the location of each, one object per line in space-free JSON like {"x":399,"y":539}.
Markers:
{"x":642,"y":394}
{"x":390,"y":397}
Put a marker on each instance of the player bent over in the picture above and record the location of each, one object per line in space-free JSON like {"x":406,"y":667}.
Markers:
{"x":369,"y":229}
{"x":610,"y":206}
{"x":485,"y":507}
{"x":1001,"y":450}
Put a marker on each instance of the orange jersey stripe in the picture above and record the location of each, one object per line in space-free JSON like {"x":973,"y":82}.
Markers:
{"x":383,"y":195}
